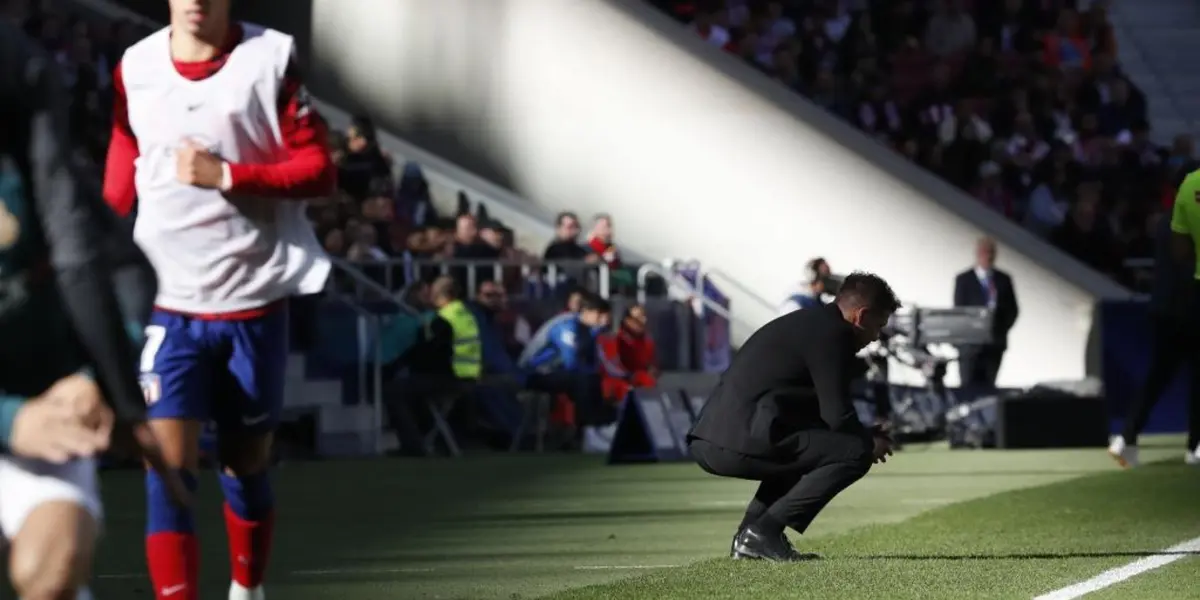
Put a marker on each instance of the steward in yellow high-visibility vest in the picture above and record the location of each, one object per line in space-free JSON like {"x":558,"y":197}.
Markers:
{"x":468,"y":348}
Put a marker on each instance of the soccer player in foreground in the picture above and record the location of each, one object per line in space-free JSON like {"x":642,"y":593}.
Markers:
{"x":1176,"y":327}
{"x":67,"y":348}
{"x":782,"y":415}
{"x":226,"y":149}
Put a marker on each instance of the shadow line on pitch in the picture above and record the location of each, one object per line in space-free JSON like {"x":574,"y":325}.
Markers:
{"x":1024,"y":555}
{"x":1027,"y":473}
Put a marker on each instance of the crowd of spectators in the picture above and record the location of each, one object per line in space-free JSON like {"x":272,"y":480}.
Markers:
{"x":1020,"y":103}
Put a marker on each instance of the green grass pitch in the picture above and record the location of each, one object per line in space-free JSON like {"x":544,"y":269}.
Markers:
{"x":930,"y":524}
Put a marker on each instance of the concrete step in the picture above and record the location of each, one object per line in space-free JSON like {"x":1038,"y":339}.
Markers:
{"x":344,"y":445}
{"x":316,"y":393}
{"x":347,"y":419}
{"x":295,"y":365}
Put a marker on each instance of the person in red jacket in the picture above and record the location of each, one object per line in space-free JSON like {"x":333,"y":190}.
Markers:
{"x":627,"y":357}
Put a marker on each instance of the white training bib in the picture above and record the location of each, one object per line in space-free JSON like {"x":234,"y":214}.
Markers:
{"x":216,"y":252}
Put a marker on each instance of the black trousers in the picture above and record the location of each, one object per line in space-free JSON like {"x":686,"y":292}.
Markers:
{"x":1173,"y":342}
{"x":408,"y":414}
{"x":979,"y":365}
{"x":583,"y":388}
{"x":793,"y":488}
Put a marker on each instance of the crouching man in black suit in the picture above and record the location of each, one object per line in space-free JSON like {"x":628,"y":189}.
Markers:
{"x":782,"y":415}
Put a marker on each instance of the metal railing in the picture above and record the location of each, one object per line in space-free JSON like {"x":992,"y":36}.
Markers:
{"x":396,"y":274}
{"x":694,"y":292}
{"x":363,"y":284}
{"x":369,"y":369}
{"x":370,"y":341}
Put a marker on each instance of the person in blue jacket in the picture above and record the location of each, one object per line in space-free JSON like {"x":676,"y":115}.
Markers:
{"x":562,"y":358}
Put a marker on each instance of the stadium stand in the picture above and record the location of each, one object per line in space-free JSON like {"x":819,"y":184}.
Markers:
{"x":1021,"y":104}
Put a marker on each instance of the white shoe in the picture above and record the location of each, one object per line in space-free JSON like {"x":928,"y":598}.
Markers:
{"x":1126,"y":456}
{"x":237,"y":592}
{"x":1193,"y":457}
{"x":598,"y":439}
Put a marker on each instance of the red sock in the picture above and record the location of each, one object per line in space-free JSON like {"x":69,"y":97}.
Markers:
{"x":249,"y":547}
{"x":174,"y":562}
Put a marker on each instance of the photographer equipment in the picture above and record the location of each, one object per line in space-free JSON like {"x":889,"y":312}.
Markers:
{"x":921,"y":413}
{"x":961,"y":326}
{"x":1049,"y":415}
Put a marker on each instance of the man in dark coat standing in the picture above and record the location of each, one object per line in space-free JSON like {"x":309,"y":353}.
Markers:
{"x":782,"y":415}
{"x":985,"y":285}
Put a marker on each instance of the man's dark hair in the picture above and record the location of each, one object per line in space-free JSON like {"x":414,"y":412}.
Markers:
{"x":869,"y":290}
{"x":563,"y":216}
{"x":571,"y":292}
{"x":591,"y":301}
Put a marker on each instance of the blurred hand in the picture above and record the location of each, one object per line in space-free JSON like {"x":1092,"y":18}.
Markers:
{"x":195,"y":165}
{"x":68,"y":421}
{"x":883,"y":448}
{"x":83,"y":396}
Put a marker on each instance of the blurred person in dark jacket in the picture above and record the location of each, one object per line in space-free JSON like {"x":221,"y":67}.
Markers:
{"x":985,"y":285}
{"x":68,"y":367}
{"x":425,"y":368}
{"x":364,"y":160}
{"x":514,"y":330}
{"x":562,"y":359}
{"x":565,"y":245}
{"x":1085,"y":235}
{"x":413,"y":200}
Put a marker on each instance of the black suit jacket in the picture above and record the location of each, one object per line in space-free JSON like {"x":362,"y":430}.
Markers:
{"x":792,"y":374}
{"x":968,"y":291}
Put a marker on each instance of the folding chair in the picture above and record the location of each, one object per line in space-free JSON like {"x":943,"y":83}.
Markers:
{"x":440,"y":406}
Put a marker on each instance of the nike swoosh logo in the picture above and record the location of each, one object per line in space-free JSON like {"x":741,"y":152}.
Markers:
{"x":254,"y":420}
{"x":175,"y":589}
{"x":192,"y":107}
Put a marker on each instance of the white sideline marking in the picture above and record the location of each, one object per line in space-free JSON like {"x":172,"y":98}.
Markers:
{"x":320,"y":572}
{"x":927,"y":501}
{"x":718,"y":503}
{"x":615,"y":567}
{"x":1119,"y":574}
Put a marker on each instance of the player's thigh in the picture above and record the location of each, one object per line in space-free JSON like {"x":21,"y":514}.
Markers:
{"x":176,"y":375}
{"x":51,"y":515}
{"x":249,"y":395}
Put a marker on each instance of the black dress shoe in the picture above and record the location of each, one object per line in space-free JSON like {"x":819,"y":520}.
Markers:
{"x":752,"y":543}
{"x":733,"y":544}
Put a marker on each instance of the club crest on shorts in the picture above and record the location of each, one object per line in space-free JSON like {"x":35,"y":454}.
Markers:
{"x":151,"y":387}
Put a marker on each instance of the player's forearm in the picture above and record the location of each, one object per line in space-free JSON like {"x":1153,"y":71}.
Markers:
{"x":9,"y":407}
{"x":306,"y":173}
